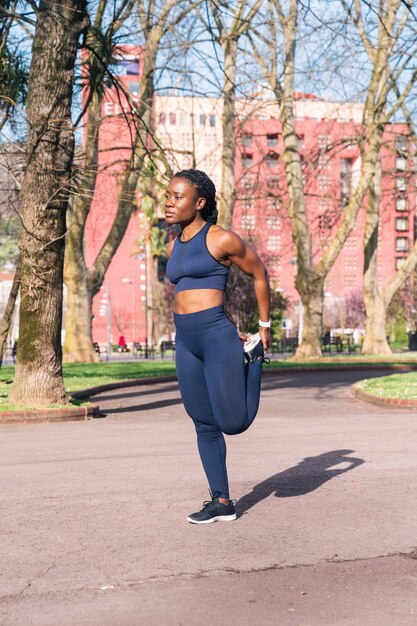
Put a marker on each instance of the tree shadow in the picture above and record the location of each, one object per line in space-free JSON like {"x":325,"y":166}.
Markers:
{"x":158,"y":404}
{"x":310,"y":474}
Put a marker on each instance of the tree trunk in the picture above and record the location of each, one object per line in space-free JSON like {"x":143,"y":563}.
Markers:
{"x":375,"y":334}
{"x":8,"y":313}
{"x":228,"y":188}
{"x":90,"y":280}
{"x":375,"y":341}
{"x":44,"y":201}
{"x":311,"y":290}
{"x":78,"y":344}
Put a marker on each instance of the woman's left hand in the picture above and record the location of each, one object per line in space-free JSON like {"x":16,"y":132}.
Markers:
{"x":266,"y":338}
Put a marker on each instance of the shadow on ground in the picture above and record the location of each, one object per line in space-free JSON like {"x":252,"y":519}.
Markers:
{"x":308,"y":475}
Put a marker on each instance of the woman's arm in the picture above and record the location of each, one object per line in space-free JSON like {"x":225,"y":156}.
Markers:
{"x":233,"y":248}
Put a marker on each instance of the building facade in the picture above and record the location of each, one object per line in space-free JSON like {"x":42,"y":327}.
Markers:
{"x":189,"y":131}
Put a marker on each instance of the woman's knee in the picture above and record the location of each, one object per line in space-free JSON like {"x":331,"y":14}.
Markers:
{"x":236,"y":429}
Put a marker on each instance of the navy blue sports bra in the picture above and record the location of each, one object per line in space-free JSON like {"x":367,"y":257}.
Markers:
{"x":192,"y":266}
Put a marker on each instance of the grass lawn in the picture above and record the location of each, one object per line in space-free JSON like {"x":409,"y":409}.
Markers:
{"x":79,"y":376}
{"x":394,"y":386}
{"x":84,"y":375}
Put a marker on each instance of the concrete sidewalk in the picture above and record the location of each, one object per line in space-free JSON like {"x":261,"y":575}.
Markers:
{"x":93,"y":514}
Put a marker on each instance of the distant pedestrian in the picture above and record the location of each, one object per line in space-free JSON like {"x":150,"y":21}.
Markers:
{"x":220,"y":394}
{"x":122,"y":345}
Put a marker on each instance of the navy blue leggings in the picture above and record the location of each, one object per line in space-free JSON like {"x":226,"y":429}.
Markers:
{"x":220,"y":393}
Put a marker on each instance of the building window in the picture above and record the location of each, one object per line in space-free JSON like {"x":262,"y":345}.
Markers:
{"x":272,"y":203}
{"x":273,"y":222}
{"x":272,"y":139}
{"x":350,"y":281}
{"x":274,"y":243}
{"x":401,"y":223}
{"x":399,"y":262}
{"x":187,"y":139}
{"x":246,"y":139}
{"x":346,"y":166}
{"x":351,"y":243}
{"x":324,"y":162}
{"x":247,"y":203}
{"x":324,"y":204}
{"x":202,"y":119}
{"x":247,"y":222}
{"x":133,"y":86}
{"x":212,"y":121}
{"x":324,"y":181}
{"x":401,"y":244}
{"x":400,"y":184}
{"x":182,"y":119}
{"x":162,"y":118}
{"x":126,"y":67}
{"x":272,"y":159}
{"x":350,"y":262}
{"x":172,"y":119}
{"x":323,"y":141}
{"x":272,"y":182}
{"x":401,"y":204}
{"x":325,"y":222}
{"x":248,"y":181}
{"x":401,"y":164}
{"x":401,"y":143}
{"x":247,"y":159}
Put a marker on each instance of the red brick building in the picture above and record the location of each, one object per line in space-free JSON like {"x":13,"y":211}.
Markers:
{"x":331,"y":166}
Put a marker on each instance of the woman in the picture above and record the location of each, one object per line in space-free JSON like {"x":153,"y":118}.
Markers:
{"x":220,"y":394}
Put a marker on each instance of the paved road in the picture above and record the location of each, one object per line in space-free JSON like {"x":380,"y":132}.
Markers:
{"x":93,"y":527}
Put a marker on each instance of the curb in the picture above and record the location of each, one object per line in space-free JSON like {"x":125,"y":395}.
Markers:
{"x":276,"y":371}
{"x":83,"y":413}
{"x":365,"y":396}
{"x":37,"y":416}
{"x":134,"y":382}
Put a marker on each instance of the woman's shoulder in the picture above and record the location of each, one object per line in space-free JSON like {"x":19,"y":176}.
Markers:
{"x":225,"y":239}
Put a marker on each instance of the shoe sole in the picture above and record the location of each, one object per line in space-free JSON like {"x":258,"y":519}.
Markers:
{"x":219,"y":518}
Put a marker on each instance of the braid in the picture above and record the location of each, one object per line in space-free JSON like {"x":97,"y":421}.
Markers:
{"x":205,"y":189}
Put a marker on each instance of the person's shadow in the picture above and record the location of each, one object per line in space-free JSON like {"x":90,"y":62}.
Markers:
{"x":308,"y":475}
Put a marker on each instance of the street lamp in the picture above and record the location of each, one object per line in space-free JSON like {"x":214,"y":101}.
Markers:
{"x":132,"y":281}
{"x":143,"y":257}
{"x":105,"y":310}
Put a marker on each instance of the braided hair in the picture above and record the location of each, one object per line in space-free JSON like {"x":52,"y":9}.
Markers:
{"x":205,"y":189}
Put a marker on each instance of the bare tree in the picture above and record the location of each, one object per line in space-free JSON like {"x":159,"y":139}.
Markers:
{"x":399,"y":34}
{"x":279,"y":44}
{"x":84,"y":282}
{"x":232,"y":20}
{"x":44,"y":200}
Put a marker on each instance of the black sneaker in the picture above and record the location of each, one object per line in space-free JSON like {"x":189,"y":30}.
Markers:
{"x":254,"y":349}
{"x":214,"y":511}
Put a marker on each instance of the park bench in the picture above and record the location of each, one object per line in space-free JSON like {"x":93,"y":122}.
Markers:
{"x":101,"y":350}
{"x":332,"y":342}
{"x":288,"y":344}
{"x":143,"y":349}
{"x":165,"y":346}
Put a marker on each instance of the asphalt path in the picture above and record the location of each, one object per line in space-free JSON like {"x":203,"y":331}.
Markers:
{"x":93,"y":528}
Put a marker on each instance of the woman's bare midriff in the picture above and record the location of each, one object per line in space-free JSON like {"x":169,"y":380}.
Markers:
{"x":194,"y":300}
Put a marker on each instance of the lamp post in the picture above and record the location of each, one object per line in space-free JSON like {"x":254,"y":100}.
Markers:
{"x":143,"y":257}
{"x":106,"y":310}
{"x":132,"y":281}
